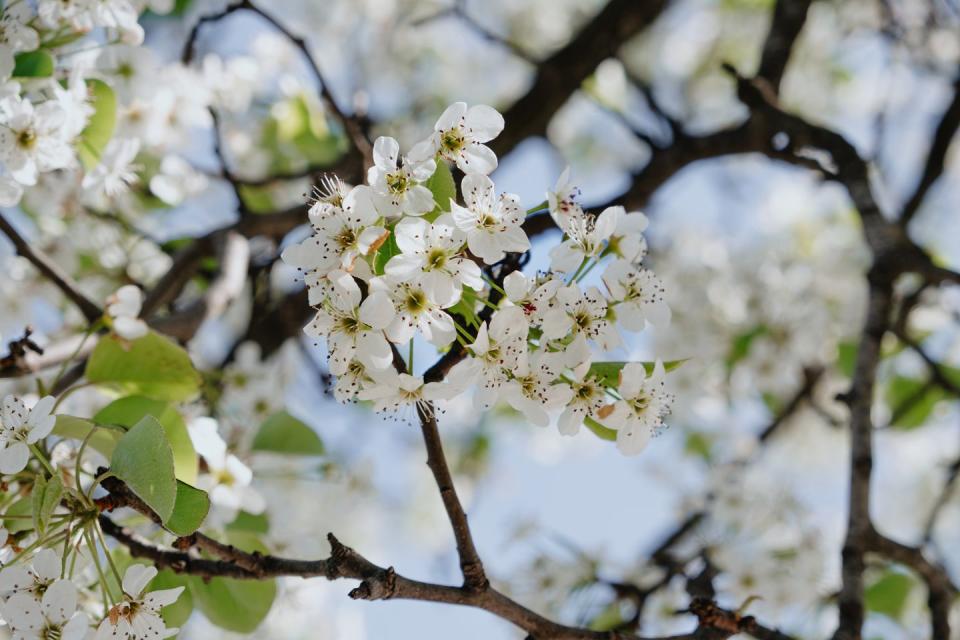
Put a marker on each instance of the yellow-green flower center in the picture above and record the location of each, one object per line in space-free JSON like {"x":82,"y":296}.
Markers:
{"x":416,"y":301}
{"x":436,"y":259}
{"x":27,"y":138}
{"x":346,"y":237}
{"x":398,"y":182}
{"x":452,"y":141}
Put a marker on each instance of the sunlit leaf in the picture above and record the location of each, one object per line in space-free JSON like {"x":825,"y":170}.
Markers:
{"x":129,"y":410}
{"x":282,"y":433}
{"x":34,"y":64}
{"x":143,"y":459}
{"x":888,"y":595}
{"x":95,"y":136}
{"x":189,"y":511}
{"x":152,"y":366}
{"x":443,"y":188}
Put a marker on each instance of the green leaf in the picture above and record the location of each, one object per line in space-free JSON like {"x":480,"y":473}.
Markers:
{"x":386,"y":251}
{"x":610,"y":618}
{"x":103,"y":440}
{"x":129,"y":410}
{"x":888,"y":595}
{"x":23,"y":507}
{"x":443,"y":188}
{"x":176,"y":614}
{"x":698,"y":444}
{"x":249,"y":522}
{"x":45,"y":498}
{"x":609,"y":372}
{"x":771,"y":401}
{"x":602,"y":432}
{"x":33,"y":64}
{"x":257,"y":199}
{"x":152,"y":366}
{"x":466,"y":307}
{"x":235,"y":605}
{"x":189,"y":510}
{"x":846,"y":358}
{"x":95,"y":136}
{"x":143,"y":459}
{"x":904,"y":390}
{"x":741,"y":345}
{"x":282,"y":433}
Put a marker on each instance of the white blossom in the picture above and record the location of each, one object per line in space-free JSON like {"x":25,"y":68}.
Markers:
{"x":496,"y":354}
{"x":34,"y":580}
{"x":642,"y":408}
{"x":54,"y":616}
{"x":587,"y":399}
{"x":562,"y":200}
{"x":227,"y":479}
{"x":416,"y":310}
{"x":116,"y":172}
{"x":391,"y":391}
{"x":341,"y":236}
{"x":353,"y":328}
{"x":20,"y":429}
{"x":137,"y":616}
{"x":580,"y":312}
{"x":493,"y":225}
{"x":123,"y":309}
{"x":531,"y":389}
{"x":399,"y":187}
{"x":639,"y":295}
{"x":429,"y":254}
{"x":586,"y":237}
{"x":32,"y":140}
{"x":459,"y":135}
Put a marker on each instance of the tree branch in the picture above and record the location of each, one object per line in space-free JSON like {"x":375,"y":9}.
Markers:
{"x":351,"y":124}
{"x":474,"y":577}
{"x":558,"y":76}
{"x":859,"y":526}
{"x":377,"y":583}
{"x":942,"y":137}
{"x":90,"y":310}
{"x":226,"y":288}
{"x":788,"y":19}
{"x":940,"y":590}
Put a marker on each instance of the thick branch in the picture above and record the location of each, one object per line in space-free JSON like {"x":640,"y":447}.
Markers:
{"x":859,"y":527}
{"x":376,"y":582}
{"x":787,"y":22}
{"x":561,"y":74}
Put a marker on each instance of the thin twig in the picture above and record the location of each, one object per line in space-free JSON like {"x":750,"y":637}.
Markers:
{"x":70,"y":288}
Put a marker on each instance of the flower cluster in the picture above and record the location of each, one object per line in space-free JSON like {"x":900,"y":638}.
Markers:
{"x":43,"y":119}
{"x":42,"y":593}
{"x":400,"y":258}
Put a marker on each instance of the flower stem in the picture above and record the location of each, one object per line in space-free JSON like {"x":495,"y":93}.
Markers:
{"x":42,"y":458}
{"x":462,"y":331}
{"x":539,"y":207}
{"x":104,"y":584}
{"x":106,"y":553}
{"x":494,"y":285}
